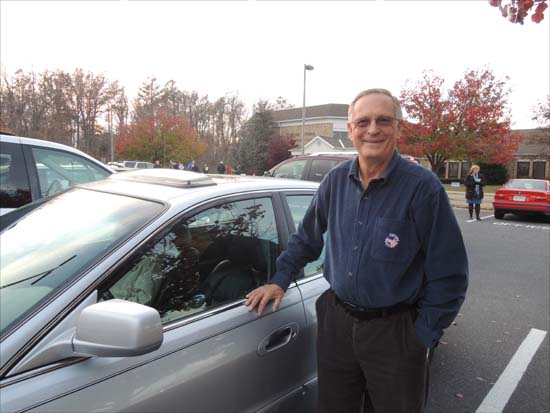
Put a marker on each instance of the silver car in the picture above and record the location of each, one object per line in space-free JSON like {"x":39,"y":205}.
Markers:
{"x":127,"y":294}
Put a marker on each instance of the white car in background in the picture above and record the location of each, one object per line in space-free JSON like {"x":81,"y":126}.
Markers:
{"x":32,"y":168}
{"x":137,"y":164}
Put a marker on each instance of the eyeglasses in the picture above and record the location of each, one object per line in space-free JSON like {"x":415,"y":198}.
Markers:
{"x":381,"y":121}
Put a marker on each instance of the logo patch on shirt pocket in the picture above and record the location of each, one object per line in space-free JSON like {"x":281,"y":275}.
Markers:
{"x":393,"y":240}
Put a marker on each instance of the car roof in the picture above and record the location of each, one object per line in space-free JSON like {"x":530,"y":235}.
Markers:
{"x":166,"y":185}
{"x":53,"y":145}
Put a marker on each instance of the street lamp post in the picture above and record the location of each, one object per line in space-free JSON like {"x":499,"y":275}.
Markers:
{"x":306,"y":68}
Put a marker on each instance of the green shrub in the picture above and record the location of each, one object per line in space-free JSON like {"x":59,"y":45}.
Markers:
{"x":495,"y":174}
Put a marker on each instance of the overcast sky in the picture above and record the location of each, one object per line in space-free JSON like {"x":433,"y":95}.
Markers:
{"x":257,"y":49}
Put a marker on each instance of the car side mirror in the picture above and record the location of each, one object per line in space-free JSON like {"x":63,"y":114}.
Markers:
{"x":117,"y":328}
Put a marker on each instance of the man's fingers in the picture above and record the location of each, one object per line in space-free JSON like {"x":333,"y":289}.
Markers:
{"x":265,"y":300}
{"x":277,"y":303}
{"x":253,"y":299}
{"x":261,"y":296}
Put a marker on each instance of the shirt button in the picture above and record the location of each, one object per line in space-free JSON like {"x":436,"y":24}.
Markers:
{"x":360,"y":222}
{"x":349,"y":274}
{"x":355,"y":248}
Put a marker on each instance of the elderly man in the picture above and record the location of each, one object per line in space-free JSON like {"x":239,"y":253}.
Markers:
{"x":395,"y":261}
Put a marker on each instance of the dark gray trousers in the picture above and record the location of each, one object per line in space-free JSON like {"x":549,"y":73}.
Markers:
{"x":379,"y":364}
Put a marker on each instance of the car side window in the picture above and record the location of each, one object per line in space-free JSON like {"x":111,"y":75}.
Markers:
{"x":320,"y":167}
{"x":14,"y":182}
{"x":59,"y":170}
{"x":291,"y":170}
{"x":298,"y":205}
{"x":212,"y":258}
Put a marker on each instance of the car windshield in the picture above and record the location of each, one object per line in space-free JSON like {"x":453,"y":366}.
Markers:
{"x":51,"y":245}
{"x":525,"y":184}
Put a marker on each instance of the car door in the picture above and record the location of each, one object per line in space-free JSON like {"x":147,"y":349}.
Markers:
{"x":216,"y":355}
{"x":311,"y":282}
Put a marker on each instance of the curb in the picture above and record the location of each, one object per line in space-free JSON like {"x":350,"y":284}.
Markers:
{"x":458,"y":200}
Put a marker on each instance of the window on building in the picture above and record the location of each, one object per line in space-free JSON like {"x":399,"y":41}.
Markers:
{"x":539,"y":169}
{"x":441,"y":170}
{"x":453,"y":169}
{"x":465,"y":169}
{"x":523,"y":169}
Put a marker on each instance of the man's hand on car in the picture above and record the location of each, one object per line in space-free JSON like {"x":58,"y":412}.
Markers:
{"x":261,"y":296}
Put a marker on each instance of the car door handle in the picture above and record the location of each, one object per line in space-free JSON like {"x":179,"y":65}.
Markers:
{"x":277,"y":339}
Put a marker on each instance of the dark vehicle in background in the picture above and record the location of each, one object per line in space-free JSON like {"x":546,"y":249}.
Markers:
{"x":31,"y":169}
{"x":311,"y":167}
{"x":127,"y":294}
{"x":523,"y":197}
{"x":315,"y":166}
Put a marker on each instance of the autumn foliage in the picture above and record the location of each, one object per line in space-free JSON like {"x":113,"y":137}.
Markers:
{"x":517,"y":10}
{"x":469,"y":122}
{"x":279,"y":149}
{"x":162,"y":137}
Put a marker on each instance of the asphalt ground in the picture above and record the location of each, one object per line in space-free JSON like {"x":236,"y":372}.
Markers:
{"x":480,"y":364}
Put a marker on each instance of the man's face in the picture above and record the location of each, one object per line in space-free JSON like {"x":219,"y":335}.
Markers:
{"x":374,"y":141}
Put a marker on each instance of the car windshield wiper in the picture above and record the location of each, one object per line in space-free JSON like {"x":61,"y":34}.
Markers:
{"x":40,"y":275}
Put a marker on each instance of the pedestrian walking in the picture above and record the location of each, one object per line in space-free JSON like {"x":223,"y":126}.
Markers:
{"x":395,"y":261}
{"x":221,"y":168}
{"x":474,"y":183}
{"x":205,"y":168}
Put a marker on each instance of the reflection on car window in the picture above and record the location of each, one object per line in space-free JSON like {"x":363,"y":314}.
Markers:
{"x":211,"y":258}
{"x":291,"y":170}
{"x":59,"y":170}
{"x":298,"y":205}
{"x":320,"y":167}
{"x":14,"y":183}
{"x":52,"y":245}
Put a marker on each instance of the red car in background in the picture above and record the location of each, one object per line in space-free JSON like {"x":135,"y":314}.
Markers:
{"x":523,"y":197}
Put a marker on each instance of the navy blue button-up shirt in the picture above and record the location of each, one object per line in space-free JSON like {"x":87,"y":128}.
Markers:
{"x":396,"y":241}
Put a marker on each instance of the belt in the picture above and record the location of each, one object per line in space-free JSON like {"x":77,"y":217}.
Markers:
{"x":363,"y":313}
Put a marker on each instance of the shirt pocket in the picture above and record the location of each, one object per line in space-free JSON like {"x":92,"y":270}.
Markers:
{"x":393,"y":240}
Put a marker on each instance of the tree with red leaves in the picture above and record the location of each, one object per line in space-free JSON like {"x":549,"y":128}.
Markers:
{"x":161,"y":138}
{"x":279,"y":149}
{"x":469,"y":122}
{"x":517,"y":10}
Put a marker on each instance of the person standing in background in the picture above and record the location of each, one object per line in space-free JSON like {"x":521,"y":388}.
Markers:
{"x":474,"y":183}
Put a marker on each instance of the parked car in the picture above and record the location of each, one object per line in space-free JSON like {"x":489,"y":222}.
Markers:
{"x":140,"y":306}
{"x":31,"y":169}
{"x":315,"y":166}
{"x":311,"y":167}
{"x":523,"y":197}
{"x":137,"y":164}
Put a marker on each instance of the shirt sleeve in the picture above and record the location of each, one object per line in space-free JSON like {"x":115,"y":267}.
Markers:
{"x":446,"y":266}
{"x":306,"y":244}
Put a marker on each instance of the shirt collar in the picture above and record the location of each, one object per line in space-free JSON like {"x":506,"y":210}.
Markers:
{"x":354,"y":168}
